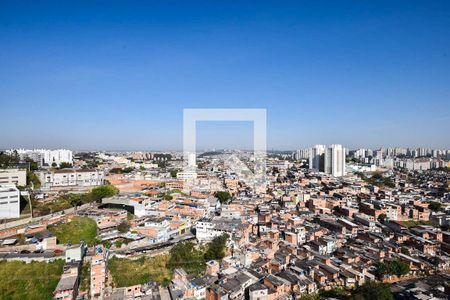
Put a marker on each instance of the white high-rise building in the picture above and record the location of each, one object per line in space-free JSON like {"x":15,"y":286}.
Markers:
{"x":47,"y":157}
{"x":316,"y":158}
{"x":360,"y":153}
{"x":9,"y":201}
{"x":57,"y":156}
{"x":335,"y":160}
{"x":302,"y":154}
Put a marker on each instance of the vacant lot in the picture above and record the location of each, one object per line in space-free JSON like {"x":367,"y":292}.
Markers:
{"x":126,"y":272}
{"x":80,"y":228}
{"x":36,"y":280}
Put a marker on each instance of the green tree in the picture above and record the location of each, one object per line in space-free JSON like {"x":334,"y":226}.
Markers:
{"x":75,"y":199}
{"x":185,"y":255}
{"x":312,"y":296}
{"x":123,"y":227}
{"x":121,"y":171}
{"x":402,"y":268}
{"x":173,"y":173}
{"x":104,"y":191}
{"x":33,"y":165}
{"x":372,"y":291}
{"x":335,"y":292}
{"x":216,"y":248}
{"x":435,"y":261}
{"x":9,"y":160}
{"x":21,"y":239}
{"x":118,"y":243}
{"x":404,"y":250}
{"x":395,"y":267}
{"x":223,"y":196}
{"x":65,"y":165}
{"x":32,"y":178}
{"x":85,"y":278}
{"x":382,"y":218}
{"x":435,"y":206}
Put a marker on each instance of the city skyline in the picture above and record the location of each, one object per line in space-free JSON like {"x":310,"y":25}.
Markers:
{"x":119,"y":77}
{"x":225,"y":150}
{"x":417,"y":150}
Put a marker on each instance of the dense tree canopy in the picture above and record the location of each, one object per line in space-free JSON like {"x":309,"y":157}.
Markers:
{"x":223,"y":196}
{"x":395,"y":267}
{"x":369,"y":291}
{"x":372,"y":291}
{"x":104,"y":191}
{"x":9,"y":160}
{"x":173,"y":173}
{"x":377,"y":179}
{"x":65,"y":165}
{"x":382,"y":218}
{"x":121,"y":171}
{"x":185,"y":255}
{"x":123,"y":227}
{"x":435,"y":206}
{"x":216,"y":249}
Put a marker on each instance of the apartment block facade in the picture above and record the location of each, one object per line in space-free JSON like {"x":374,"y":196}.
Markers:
{"x":71,"y":178}
{"x":13,"y":176}
{"x":9,"y":201}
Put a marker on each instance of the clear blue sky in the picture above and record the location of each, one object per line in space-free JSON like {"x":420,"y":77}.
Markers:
{"x":117,"y":74}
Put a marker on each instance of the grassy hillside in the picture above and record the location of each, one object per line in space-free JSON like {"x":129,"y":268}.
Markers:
{"x":36,"y":280}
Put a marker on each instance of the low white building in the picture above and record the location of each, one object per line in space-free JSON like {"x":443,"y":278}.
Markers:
{"x":186,"y":175}
{"x":75,"y":252}
{"x":13,"y":176}
{"x":230,"y":213}
{"x":123,"y":201}
{"x":71,"y":178}
{"x":9,"y":201}
{"x":207,"y":229}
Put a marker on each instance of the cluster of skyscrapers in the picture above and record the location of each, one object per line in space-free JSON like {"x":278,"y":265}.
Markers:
{"x":401,"y":152}
{"x":328,"y":159}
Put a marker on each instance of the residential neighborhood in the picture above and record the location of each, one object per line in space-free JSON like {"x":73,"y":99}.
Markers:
{"x":214,"y":236}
